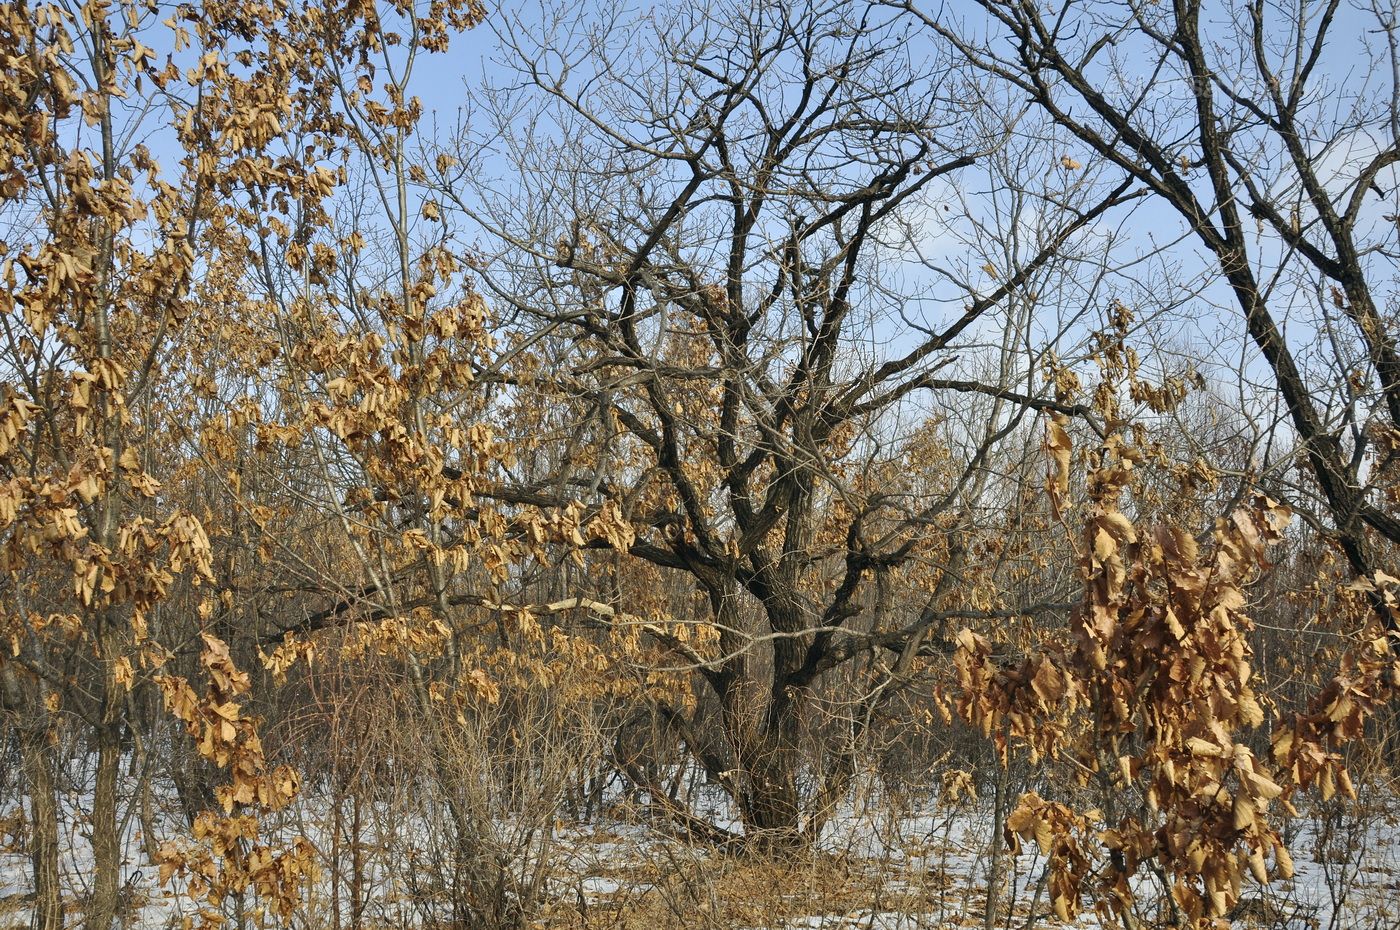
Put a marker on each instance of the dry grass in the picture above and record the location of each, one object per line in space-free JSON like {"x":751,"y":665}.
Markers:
{"x":679,"y":888}
{"x":14,"y":911}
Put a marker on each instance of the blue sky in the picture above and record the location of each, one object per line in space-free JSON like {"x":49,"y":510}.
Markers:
{"x":1207,"y":323}
{"x":1205,"y":320}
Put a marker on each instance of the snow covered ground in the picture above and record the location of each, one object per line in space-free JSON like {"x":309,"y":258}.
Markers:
{"x":880,"y":866}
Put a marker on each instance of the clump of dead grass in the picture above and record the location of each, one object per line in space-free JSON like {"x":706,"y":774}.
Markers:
{"x":685,"y":888}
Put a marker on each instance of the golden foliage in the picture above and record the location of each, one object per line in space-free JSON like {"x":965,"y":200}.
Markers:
{"x":1154,"y":696}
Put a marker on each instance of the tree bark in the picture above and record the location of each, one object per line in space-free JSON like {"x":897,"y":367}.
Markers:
{"x":36,"y":755}
{"x":101,"y":907}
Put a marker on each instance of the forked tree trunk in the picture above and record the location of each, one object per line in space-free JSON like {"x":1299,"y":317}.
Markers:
{"x":769,"y":764}
{"x":772,"y":805}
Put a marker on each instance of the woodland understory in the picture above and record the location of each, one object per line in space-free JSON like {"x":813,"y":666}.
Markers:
{"x":720,"y":463}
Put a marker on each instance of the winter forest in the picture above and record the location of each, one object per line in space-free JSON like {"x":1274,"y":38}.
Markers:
{"x":712,"y":464}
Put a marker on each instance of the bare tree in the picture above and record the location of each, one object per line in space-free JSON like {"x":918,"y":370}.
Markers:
{"x":729,"y":256}
{"x":1271,"y":130}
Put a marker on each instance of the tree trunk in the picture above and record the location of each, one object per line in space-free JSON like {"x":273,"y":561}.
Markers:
{"x":768,"y":798}
{"x":37,"y":758}
{"x":101,"y":908}
{"x":996,"y":866}
{"x":357,"y":861}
